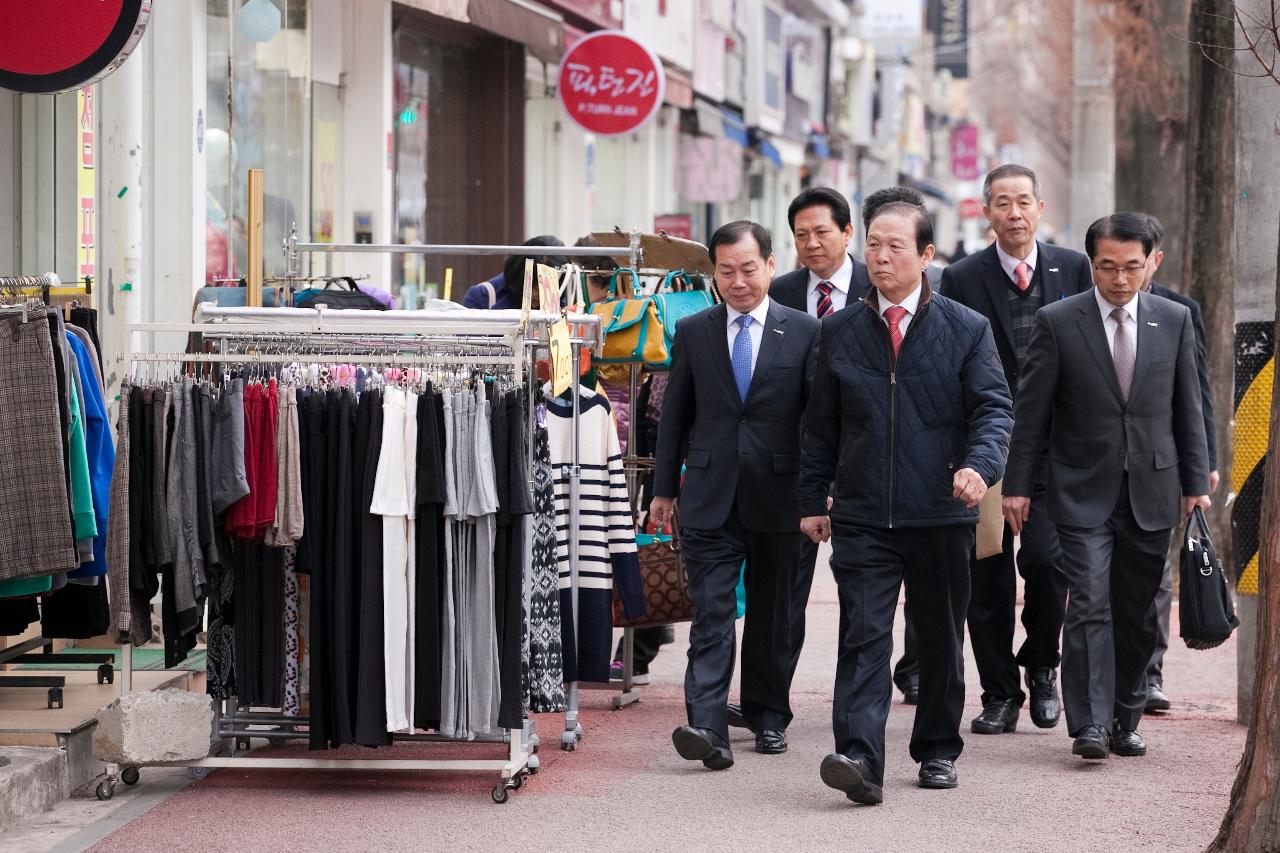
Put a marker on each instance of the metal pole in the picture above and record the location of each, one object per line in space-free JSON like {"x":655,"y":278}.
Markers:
{"x":571,"y":728}
{"x":474,"y":249}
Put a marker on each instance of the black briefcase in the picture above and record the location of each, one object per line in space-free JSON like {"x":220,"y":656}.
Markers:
{"x":1206,"y":613}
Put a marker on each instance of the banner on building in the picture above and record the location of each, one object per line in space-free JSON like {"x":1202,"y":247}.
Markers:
{"x":51,"y":47}
{"x":949,"y":23}
{"x":611,"y":84}
{"x":964,"y":152}
{"x":86,"y":183}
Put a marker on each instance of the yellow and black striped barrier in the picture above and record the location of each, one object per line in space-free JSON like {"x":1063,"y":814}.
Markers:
{"x":1255,"y":375}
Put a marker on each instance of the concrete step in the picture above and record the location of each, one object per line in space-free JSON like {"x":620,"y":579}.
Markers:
{"x":33,"y":780}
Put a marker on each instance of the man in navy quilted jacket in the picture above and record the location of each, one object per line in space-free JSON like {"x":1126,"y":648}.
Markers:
{"x":910,"y":417}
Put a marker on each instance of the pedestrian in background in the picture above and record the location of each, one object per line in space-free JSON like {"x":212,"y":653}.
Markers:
{"x":909,"y":417}
{"x":506,"y":289}
{"x":1110,"y":384}
{"x":1008,"y":282}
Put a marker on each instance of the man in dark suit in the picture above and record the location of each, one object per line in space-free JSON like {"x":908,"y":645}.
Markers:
{"x":1159,"y":615}
{"x":1008,"y":282}
{"x":740,"y":375}
{"x":908,"y":424}
{"x":1110,"y":383}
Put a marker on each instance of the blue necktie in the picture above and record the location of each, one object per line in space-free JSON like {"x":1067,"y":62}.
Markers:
{"x":742,"y":356}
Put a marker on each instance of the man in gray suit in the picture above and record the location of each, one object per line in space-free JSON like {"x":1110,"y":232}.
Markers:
{"x":740,"y":376}
{"x":1110,"y":384}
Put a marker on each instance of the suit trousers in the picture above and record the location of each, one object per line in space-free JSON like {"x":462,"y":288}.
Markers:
{"x":907,"y":670}
{"x":1113,"y":572}
{"x":992,"y":608}
{"x":870,"y":565}
{"x":713,"y":559}
{"x":1158,"y":620}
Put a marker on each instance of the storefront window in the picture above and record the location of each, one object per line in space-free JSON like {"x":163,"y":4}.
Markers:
{"x":258,"y":117}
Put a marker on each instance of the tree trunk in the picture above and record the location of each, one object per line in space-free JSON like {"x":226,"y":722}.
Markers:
{"x":1252,"y":822}
{"x":1208,"y":265}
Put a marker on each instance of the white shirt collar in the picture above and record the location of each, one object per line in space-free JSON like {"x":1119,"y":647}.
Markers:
{"x":911,"y":303}
{"x":1010,"y":264}
{"x":760,"y":313}
{"x":1106,"y":307}
{"x":840,"y":281}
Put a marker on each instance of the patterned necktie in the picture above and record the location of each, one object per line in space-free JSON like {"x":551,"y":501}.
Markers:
{"x":894,"y":315}
{"x":1122,"y":352}
{"x":742,"y":356}
{"x":1022,"y":276}
{"x":824,"y":299}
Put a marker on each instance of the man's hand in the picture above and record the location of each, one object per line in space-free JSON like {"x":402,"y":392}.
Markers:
{"x":968,"y":486}
{"x":660,"y":512}
{"x":1016,"y":511}
{"x":816,"y":527}
{"x":1214,"y":479}
{"x":1190,"y":502}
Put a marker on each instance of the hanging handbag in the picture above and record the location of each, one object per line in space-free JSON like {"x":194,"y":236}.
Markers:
{"x":1206,"y":613}
{"x":674,"y":305}
{"x":335,"y":297}
{"x":664,"y":582}
{"x":632,"y":328}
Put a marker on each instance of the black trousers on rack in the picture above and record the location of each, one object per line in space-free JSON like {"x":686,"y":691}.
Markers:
{"x":429,"y":558}
{"x":259,"y":624}
{"x":371,"y":688}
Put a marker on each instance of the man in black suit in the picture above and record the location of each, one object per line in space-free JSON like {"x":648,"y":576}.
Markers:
{"x":908,"y":424}
{"x":1109,"y":382}
{"x":1008,"y":282}
{"x":740,"y":375}
{"x":1159,"y":615}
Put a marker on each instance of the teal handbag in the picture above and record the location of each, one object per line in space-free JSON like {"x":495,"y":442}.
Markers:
{"x":674,"y":306}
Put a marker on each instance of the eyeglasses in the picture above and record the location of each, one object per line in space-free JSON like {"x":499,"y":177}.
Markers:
{"x":1110,"y":272}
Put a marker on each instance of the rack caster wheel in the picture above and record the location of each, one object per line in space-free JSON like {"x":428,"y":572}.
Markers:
{"x":569,"y":745}
{"x":534,"y":765}
{"x":106,"y":674}
{"x":500,"y":794}
{"x":242,"y":743}
{"x":518,"y":782}
{"x":198,"y":772}
{"x":534,"y":743}
{"x":105,"y":791}
{"x":129,"y":776}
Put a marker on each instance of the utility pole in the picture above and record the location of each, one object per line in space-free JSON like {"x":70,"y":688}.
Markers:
{"x":1093,"y":119}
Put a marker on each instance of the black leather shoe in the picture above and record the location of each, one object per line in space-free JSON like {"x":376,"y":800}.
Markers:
{"x":998,"y":716}
{"x":771,"y":742}
{"x":853,"y":776}
{"x":1127,"y":744}
{"x":736,"y":720}
{"x":911,"y":692}
{"x":1156,"y":699}
{"x":703,"y":745}
{"x":938,"y":773}
{"x":1093,"y":743}
{"x":1042,"y":684}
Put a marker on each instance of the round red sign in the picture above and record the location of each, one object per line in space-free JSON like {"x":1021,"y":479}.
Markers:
{"x":54,"y":47}
{"x":970,"y":208}
{"x":611,"y":84}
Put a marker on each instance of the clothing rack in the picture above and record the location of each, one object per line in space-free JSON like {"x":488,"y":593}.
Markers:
{"x":509,"y":341}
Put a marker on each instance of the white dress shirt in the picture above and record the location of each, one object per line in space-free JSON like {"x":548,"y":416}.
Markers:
{"x":1109,"y":323}
{"x":759,"y":314}
{"x":839,"y":287}
{"x":911,"y":303}
{"x":1010,"y":264}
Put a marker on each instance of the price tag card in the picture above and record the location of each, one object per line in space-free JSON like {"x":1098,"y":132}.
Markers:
{"x":528,"y":292}
{"x":548,"y":289}
{"x":561,"y":358}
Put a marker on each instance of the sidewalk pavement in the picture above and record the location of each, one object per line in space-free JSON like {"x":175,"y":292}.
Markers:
{"x":626,"y":789}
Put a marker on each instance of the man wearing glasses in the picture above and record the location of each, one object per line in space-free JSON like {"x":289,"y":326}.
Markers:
{"x":1110,"y":382}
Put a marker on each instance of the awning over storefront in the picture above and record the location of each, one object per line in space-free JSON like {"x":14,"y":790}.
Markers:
{"x":735,"y":126}
{"x":523,"y":21}
{"x":679,"y":87}
{"x":770,"y":153}
{"x":926,"y":187}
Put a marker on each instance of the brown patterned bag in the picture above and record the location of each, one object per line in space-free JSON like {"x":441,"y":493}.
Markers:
{"x":665,"y":584}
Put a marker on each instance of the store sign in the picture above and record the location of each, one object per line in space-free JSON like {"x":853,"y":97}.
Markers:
{"x":964,"y":152}
{"x":970,"y":208}
{"x":611,"y":84}
{"x":58,"y":46}
{"x":674,"y":225}
{"x":87,"y":182}
{"x":949,"y":22}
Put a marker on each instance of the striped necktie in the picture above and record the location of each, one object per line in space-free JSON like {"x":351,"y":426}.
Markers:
{"x":824,"y":299}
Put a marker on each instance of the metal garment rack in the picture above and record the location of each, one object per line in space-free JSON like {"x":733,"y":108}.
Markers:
{"x":293,"y":249}
{"x":440,"y":338}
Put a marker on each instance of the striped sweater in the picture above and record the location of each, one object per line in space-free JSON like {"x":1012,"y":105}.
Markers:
{"x":606,"y":533}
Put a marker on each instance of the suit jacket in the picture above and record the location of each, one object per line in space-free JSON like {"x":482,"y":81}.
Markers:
{"x":1070,"y":396}
{"x":1202,"y":366}
{"x":737,"y":454}
{"x":792,"y":289}
{"x":978,"y":282}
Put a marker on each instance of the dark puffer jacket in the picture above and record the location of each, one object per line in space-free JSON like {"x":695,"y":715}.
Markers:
{"x":885,"y":437}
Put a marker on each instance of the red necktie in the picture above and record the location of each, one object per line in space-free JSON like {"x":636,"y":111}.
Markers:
{"x":824,"y":299}
{"x":1022,"y":276}
{"x":894,"y":315}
